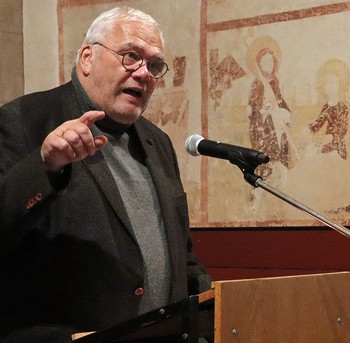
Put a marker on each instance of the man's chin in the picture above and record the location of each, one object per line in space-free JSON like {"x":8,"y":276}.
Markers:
{"x":125,"y":116}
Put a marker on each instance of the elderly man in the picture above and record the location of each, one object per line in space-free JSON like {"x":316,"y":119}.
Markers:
{"x":94,"y":223}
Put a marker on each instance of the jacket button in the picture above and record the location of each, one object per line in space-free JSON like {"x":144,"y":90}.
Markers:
{"x":30,"y":203}
{"x":139,"y":291}
{"x":150,"y":141}
{"x":38,"y":196}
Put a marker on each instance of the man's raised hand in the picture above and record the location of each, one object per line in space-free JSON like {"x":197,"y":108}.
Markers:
{"x":72,"y":141}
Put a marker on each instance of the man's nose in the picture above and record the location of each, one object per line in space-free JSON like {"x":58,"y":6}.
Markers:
{"x":142,"y":72}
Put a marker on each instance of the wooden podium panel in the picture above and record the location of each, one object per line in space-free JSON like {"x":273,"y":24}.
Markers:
{"x":310,"y":308}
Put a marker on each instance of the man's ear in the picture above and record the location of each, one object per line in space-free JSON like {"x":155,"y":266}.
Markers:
{"x":86,"y":58}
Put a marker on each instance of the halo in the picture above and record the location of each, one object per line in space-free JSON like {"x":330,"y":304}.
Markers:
{"x":340,"y":70}
{"x":257,"y":45}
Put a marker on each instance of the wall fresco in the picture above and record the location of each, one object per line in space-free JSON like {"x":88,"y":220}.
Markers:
{"x":278,"y":107}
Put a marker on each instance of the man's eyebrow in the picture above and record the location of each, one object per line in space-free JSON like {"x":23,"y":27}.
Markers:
{"x":131,"y":45}
{"x":139,"y":49}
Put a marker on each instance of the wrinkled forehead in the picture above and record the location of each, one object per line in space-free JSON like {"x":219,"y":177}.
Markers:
{"x":136,"y":35}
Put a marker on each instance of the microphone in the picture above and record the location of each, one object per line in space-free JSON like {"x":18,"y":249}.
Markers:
{"x":196,"y":145}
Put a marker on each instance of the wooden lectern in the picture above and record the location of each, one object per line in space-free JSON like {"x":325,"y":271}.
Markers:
{"x":307,"y":308}
{"x":313,"y":308}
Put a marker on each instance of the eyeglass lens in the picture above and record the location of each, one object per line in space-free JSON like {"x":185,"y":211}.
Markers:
{"x":134,"y":61}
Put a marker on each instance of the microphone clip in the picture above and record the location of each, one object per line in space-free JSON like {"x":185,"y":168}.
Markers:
{"x":247,"y":168}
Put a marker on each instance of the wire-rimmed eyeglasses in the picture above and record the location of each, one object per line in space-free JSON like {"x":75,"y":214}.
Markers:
{"x":131,"y":61}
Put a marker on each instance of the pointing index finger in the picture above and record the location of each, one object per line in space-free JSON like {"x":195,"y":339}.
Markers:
{"x":89,"y":118}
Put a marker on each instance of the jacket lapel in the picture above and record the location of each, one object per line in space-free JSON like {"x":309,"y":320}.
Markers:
{"x":99,"y":170}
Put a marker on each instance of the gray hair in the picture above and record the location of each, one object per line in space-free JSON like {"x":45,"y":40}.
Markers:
{"x":102,"y":25}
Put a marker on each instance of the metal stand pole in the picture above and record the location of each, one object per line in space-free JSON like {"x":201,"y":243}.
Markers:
{"x":248,"y":170}
{"x":343,"y":230}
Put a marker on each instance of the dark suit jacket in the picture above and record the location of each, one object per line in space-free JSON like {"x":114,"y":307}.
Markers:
{"x":69,"y":261}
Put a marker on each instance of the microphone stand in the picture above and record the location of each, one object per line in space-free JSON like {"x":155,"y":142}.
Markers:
{"x":248,"y":170}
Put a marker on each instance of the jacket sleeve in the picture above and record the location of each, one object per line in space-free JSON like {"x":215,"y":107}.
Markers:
{"x":24,"y":183}
{"x":198,"y":280}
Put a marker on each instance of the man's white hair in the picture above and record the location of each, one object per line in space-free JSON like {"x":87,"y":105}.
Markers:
{"x":103,"y":24}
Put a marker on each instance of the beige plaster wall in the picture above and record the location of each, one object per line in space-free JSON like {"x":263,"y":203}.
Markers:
{"x":11,"y":52}
{"x":40,"y":44}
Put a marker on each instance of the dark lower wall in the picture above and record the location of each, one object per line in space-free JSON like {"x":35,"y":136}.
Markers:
{"x":230,"y":254}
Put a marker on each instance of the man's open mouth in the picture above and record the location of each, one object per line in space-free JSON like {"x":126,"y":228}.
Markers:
{"x":134,"y":92}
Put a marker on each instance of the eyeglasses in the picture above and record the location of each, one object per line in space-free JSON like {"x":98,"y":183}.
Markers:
{"x":131,"y":61}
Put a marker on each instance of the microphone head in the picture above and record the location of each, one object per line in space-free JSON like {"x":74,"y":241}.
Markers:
{"x":191,"y":144}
